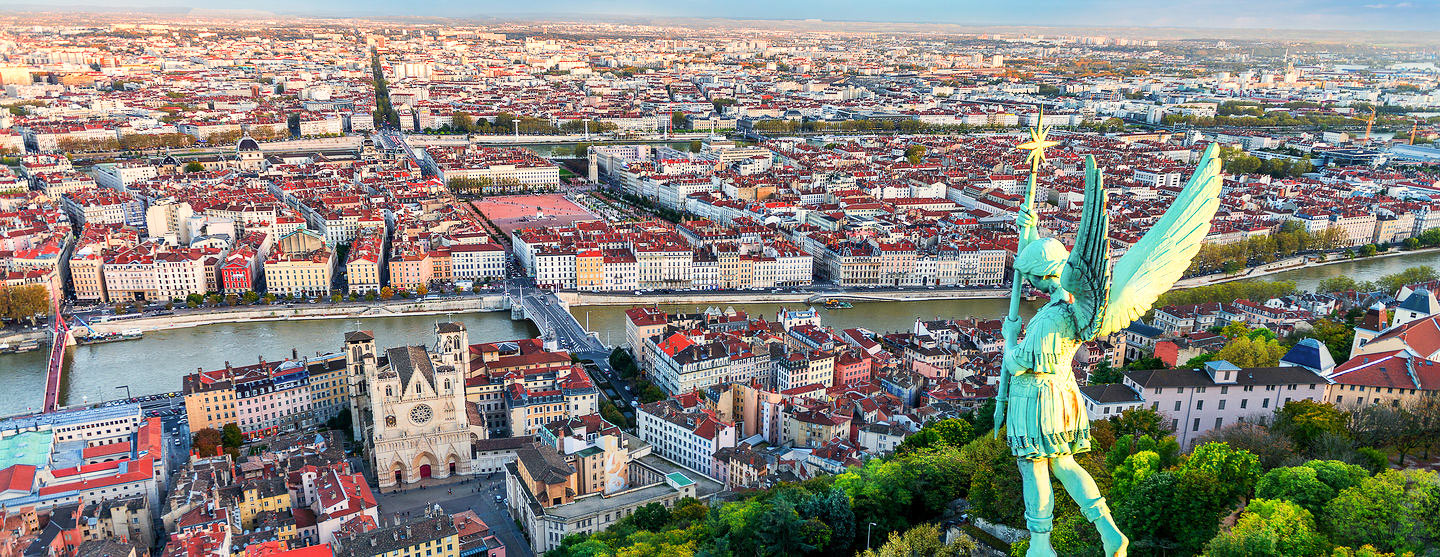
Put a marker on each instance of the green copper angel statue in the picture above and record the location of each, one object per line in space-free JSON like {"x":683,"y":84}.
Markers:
{"x":1038,"y":401}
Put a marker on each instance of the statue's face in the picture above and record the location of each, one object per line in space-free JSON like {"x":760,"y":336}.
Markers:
{"x":1047,"y":284}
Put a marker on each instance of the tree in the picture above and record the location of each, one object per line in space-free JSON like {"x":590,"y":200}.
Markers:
{"x":953,"y":432}
{"x":1143,"y":364}
{"x":649,"y":392}
{"x":651,"y":517}
{"x":1162,"y":513}
{"x":1270,"y":527}
{"x":462,"y":121}
{"x":612,"y":414}
{"x":1380,"y":425}
{"x":231,"y":436}
{"x":1336,"y":337}
{"x":914,"y":154}
{"x":422,"y":290}
{"x":24,"y":302}
{"x":678,"y":121}
{"x":1296,"y":484}
{"x":1104,"y":374}
{"x":1272,"y":447}
{"x":1339,"y":476}
{"x":1394,"y":511}
{"x":1237,"y":469}
{"x":1165,"y":448}
{"x":1304,"y":421}
{"x":994,"y":480}
{"x":386,"y":293}
{"x":1132,"y":471}
{"x":831,"y":507}
{"x":778,"y":530}
{"x":922,"y":541}
{"x":193,"y":166}
{"x":1393,"y":282}
{"x":1246,"y":352}
{"x":695,"y":145}
{"x":1140,"y":421}
{"x":206,"y":441}
{"x":341,"y":422}
{"x":620,"y":359}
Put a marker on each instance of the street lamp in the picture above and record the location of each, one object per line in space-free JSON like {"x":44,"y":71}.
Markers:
{"x":867,"y":536}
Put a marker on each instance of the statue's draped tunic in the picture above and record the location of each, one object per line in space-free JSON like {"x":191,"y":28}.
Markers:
{"x":1045,"y":417}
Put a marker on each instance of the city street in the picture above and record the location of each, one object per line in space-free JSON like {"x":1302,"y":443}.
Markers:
{"x":476,"y":493}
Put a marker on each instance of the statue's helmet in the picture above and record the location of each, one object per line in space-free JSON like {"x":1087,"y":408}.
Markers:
{"x":1042,"y":258}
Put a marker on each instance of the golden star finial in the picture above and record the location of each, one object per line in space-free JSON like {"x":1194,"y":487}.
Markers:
{"x":1038,"y":143}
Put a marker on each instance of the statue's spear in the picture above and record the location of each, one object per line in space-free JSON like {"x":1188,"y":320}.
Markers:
{"x":1026,"y":232}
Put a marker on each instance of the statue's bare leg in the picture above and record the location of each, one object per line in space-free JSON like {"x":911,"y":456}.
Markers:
{"x":1082,"y":489}
{"x":1039,"y":506}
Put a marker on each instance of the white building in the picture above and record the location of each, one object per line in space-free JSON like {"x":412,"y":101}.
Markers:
{"x":687,"y":437}
{"x":477,"y":261}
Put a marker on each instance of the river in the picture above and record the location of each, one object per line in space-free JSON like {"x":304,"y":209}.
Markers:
{"x":157,"y":362}
{"x":1360,"y":269}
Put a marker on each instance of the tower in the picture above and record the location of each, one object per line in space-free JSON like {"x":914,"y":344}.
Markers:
{"x":367,"y":148}
{"x":1375,"y":320}
{"x":453,"y":346}
{"x":359,"y":365}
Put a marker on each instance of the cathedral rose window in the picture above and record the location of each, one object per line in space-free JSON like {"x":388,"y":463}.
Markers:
{"x":421,"y":413}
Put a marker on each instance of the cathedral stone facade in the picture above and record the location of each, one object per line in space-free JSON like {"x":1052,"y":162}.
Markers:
{"x":408,"y":405}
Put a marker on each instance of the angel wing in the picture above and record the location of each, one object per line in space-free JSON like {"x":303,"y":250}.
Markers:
{"x":1153,"y":264}
{"x":1087,"y":270}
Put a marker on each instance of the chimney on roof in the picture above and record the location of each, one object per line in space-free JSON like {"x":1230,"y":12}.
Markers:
{"x":294,"y":354}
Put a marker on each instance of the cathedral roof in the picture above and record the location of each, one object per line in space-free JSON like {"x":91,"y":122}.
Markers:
{"x":407,"y":360}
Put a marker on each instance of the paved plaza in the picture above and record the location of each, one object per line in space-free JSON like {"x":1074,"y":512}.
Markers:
{"x":476,"y":493}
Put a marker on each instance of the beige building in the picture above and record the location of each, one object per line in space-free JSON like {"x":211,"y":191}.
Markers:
{"x":362,"y":267}
{"x":301,"y":264}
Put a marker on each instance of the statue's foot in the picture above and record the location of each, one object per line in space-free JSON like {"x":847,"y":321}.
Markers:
{"x":1116,"y":544}
{"x":1040,"y":545}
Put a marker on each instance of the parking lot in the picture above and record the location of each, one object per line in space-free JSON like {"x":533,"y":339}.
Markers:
{"x":477,"y":493}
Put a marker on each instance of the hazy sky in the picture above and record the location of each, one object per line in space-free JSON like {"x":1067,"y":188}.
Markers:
{"x":1420,"y":15}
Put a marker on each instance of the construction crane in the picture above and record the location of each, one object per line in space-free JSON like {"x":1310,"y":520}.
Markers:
{"x":1369,"y":122}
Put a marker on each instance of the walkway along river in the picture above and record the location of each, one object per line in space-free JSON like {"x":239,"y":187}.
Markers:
{"x":157,"y":362}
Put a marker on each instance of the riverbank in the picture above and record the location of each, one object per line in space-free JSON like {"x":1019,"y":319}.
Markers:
{"x":302,"y":312}
{"x":576,"y":298}
{"x":1294,"y":264}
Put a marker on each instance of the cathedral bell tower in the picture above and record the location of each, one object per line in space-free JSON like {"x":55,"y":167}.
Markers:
{"x":359,"y":366}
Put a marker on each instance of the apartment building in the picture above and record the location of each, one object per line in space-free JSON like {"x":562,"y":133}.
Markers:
{"x":689,"y":436}
{"x":301,"y":264}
